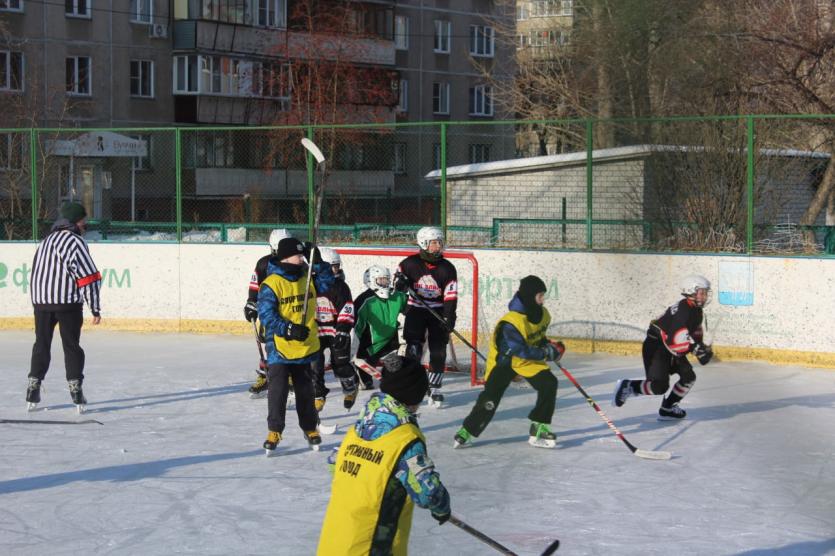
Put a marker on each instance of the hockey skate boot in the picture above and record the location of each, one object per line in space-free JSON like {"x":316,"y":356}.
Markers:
{"x":319,"y":403}
{"x":367,"y":384}
{"x":259,"y":387}
{"x":350,"y":399}
{"x":77,"y":395}
{"x":270,"y":444}
{"x":623,"y":389}
{"x":314,"y":439}
{"x":463,"y":439}
{"x":672,"y":413}
{"x":436,"y":399}
{"x":33,"y":393}
{"x":541,"y":436}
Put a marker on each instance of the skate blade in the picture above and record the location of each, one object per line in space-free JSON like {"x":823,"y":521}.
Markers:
{"x":459,"y":446}
{"x":315,"y":447}
{"x":257,"y":395}
{"x":327,"y":429}
{"x":81,"y":408}
{"x":668,"y":419}
{"x":269,"y":453}
{"x":542,"y":443}
{"x":31,"y":406}
{"x":435,"y":404}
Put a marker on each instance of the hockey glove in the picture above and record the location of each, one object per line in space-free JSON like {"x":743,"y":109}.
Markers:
{"x":554,"y":350}
{"x":251,"y":311}
{"x":401,"y":282}
{"x":441,"y":518}
{"x":298,"y":332}
{"x":703,"y":353}
{"x":341,"y":351}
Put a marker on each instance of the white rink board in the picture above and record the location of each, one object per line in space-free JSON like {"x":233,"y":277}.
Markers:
{"x":601,"y":296}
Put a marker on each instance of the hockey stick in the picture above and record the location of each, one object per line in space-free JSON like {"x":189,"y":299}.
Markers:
{"x":49,"y":422}
{"x":258,"y":343}
{"x":318,"y":191}
{"x":499,"y":547}
{"x":646,"y":454}
{"x":445,"y":325}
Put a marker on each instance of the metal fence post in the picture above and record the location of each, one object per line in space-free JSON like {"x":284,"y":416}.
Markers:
{"x":178,"y":165}
{"x":33,"y":170}
{"x":443,"y":214}
{"x":589,"y":182}
{"x":749,"y":179}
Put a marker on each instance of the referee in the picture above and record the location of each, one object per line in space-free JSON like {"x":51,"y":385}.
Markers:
{"x":63,"y":276}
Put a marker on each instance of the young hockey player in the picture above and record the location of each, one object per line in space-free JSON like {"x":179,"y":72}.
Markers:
{"x":382,"y":469}
{"x":669,"y":339}
{"x":433,"y":282}
{"x":259,"y":387}
{"x":335,"y":319}
{"x":292,"y":340}
{"x":377,"y":317}
{"x":519,"y":345}
{"x":365,"y":380}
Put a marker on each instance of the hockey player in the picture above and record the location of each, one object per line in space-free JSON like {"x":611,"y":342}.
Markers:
{"x":377,"y":317}
{"x":669,"y":339}
{"x":382,"y":470}
{"x":335,"y":319}
{"x":292,"y":340}
{"x":434,"y":282}
{"x":259,"y":387}
{"x":519,"y":345}
{"x":365,"y":380}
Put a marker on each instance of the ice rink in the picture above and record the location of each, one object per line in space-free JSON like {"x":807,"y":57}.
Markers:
{"x":177,"y":467}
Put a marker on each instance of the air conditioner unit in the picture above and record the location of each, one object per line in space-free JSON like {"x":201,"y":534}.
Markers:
{"x":158,"y":30}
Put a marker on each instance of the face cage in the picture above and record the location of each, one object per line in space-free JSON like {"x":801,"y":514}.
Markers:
{"x":708,"y":297}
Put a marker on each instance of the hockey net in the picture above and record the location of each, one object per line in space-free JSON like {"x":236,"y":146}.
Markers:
{"x":355,"y":260}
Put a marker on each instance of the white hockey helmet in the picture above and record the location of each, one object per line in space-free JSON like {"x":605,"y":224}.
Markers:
{"x":329,"y":255}
{"x":275,"y":236}
{"x":427,"y":234}
{"x":378,"y":279}
{"x":692,"y":284}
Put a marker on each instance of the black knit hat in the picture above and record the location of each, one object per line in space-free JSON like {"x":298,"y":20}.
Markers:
{"x":288,"y":247}
{"x":528,"y":288}
{"x":404,"y":379}
{"x":74,"y":212}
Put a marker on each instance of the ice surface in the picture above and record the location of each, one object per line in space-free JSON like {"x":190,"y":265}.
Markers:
{"x":178,"y":467}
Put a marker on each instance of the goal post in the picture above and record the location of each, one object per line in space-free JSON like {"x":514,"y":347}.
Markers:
{"x":355,"y":260}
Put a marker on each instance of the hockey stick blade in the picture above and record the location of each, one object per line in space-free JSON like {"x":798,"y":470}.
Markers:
{"x":551,"y":548}
{"x":49,"y":422}
{"x":313,"y":149}
{"x":327,"y":429}
{"x":650,"y":454}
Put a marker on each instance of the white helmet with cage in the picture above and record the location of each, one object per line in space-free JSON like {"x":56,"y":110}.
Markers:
{"x":276,"y":236}
{"x":692,"y":285}
{"x":378,"y":279}
{"x":330,"y":256}
{"x":427,"y":234}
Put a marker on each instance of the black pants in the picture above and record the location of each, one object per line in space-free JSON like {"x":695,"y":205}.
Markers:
{"x":545,"y":384}
{"x":345,"y":373}
{"x":278,"y":386}
{"x":69,"y":323}
{"x":660,"y":364}
{"x":420,"y":323}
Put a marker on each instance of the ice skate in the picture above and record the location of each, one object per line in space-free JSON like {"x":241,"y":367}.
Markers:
{"x":436,"y":399}
{"x":33,"y":394}
{"x":463,"y":439}
{"x":349,"y":400}
{"x":77,"y":395}
{"x":541,"y":436}
{"x":270,"y":444}
{"x":259,"y":388}
{"x":672,"y":413}
{"x":319,"y":404}
{"x":314,"y":439}
{"x":623,"y":389}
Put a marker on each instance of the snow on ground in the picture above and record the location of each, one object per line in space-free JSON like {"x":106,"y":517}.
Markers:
{"x":177,"y":467}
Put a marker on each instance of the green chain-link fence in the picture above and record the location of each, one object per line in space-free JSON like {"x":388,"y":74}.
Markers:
{"x":735,"y":184}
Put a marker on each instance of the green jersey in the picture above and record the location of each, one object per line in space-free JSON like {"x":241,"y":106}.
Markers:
{"x":380,"y":317}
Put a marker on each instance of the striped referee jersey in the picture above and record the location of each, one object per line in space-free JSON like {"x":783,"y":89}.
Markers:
{"x":62,"y":270}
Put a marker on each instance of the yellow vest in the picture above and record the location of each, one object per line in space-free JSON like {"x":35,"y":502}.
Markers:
{"x":290,"y":297}
{"x":533,"y":335}
{"x":362,"y":470}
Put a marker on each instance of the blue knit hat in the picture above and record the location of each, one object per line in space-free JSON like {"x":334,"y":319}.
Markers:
{"x":74,"y":212}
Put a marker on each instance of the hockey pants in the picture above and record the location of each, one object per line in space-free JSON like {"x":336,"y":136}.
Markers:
{"x":420,"y":324}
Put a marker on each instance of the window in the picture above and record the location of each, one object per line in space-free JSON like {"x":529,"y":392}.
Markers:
{"x":11,"y":5}
{"x":272,"y":13}
{"x":479,"y":153}
{"x":481,"y":100}
{"x":482,"y":40}
{"x":215,"y":150}
{"x":11,"y":71}
{"x":271,"y":80}
{"x":142,"y":11}
{"x":545,"y":8}
{"x":142,"y":78}
{"x":350,"y":156}
{"x":401,"y":32}
{"x":403,"y":101}
{"x":229,"y":11}
{"x":436,"y":156}
{"x":12,"y":150}
{"x":522,"y":41}
{"x":399,"y":162}
{"x":443,"y":34}
{"x":77,"y":8}
{"x":143,"y":163}
{"x":567,"y":7}
{"x":440,"y":98}
{"x":185,"y":74}
{"x":78,"y":75}
{"x":521,"y":11}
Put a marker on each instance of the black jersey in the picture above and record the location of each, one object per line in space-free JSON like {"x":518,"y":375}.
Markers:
{"x":435,"y":283}
{"x":676,"y":327}
{"x":335,"y":309}
{"x":258,"y":276}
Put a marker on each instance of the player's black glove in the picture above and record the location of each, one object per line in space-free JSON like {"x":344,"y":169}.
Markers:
{"x":341,"y":351}
{"x":298,"y":332}
{"x":553,"y":350}
{"x":401,"y":282}
{"x":251,"y":311}
{"x":441,"y":518}
{"x":703,"y":353}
